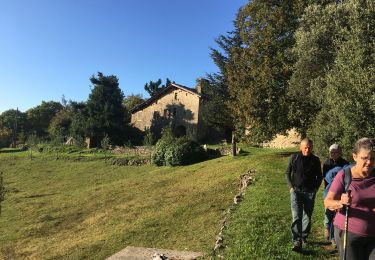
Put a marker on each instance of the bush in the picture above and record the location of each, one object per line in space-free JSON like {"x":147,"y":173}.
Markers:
{"x":174,"y":154}
{"x":177,"y":151}
{"x":157,"y":156}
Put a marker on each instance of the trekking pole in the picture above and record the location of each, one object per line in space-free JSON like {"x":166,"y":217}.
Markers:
{"x":346,"y":227}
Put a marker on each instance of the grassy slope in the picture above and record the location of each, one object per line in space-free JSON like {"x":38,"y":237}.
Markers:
{"x":61,"y":209}
{"x":77,"y":210}
{"x":259,"y":229}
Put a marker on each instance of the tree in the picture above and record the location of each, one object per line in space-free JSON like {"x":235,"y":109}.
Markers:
{"x":154,"y":87}
{"x":40,"y":117}
{"x":258,"y":68}
{"x":60,"y":123}
{"x":130,"y":102}
{"x":79,"y":124}
{"x":133,"y":100}
{"x":217,"y":86}
{"x":258,"y":71}
{"x":13,"y":125}
{"x":106,"y":114}
{"x":317,"y":40}
{"x":349,"y":107}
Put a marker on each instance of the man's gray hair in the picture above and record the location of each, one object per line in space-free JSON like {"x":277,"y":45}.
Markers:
{"x":335,"y":147}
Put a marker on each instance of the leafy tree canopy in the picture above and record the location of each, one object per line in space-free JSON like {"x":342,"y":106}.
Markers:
{"x":133,"y":100}
{"x":349,"y":93}
{"x":40,"y":117}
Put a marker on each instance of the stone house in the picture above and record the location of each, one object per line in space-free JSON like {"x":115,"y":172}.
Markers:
{"x":177,"y":105}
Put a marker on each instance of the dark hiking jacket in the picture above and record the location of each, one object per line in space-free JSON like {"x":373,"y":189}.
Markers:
{"x":330,"y":164}
{"x":304,"y":172}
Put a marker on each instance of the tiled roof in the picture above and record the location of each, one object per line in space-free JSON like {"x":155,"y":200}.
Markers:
{"x":162,"y":93}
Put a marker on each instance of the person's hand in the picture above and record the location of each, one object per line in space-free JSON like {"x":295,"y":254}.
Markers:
{"x":346,"y":199}
{"x":291,"y":189}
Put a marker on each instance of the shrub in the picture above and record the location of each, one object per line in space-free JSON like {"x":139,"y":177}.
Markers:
{"x":177,"y":151}
{"x":157,"y":156}
{"x":191,"y":152}
{"x":174,"y":154}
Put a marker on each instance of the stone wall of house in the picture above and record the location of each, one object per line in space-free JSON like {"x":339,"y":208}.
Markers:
{"x":178,"y":106}
{"x":291,"y":139}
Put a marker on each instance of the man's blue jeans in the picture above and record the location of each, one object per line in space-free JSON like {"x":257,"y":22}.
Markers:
{"x":302,"y":206}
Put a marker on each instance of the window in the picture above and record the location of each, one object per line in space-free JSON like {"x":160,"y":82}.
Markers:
{"x":175,"y":96}
{"x":167,"y":113}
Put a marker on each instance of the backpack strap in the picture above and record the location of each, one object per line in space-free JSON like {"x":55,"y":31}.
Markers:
{"x":347,"y":178}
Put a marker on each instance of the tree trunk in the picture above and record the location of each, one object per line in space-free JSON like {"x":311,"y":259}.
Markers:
{"x":234,"y":145}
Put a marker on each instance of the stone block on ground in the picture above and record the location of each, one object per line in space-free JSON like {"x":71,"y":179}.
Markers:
{"x":142,"y":253}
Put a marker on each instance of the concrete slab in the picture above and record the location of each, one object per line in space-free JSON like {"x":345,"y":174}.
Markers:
{"x":142,"y":253}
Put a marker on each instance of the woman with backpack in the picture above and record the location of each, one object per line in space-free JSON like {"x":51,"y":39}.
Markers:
{"x":359,"y":196}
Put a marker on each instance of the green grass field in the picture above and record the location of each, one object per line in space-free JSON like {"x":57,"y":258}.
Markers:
{"x":260,"y":227}
{"x":65,"y":209}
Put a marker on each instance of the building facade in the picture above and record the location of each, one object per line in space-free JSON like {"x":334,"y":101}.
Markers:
{"x":176,"y":105}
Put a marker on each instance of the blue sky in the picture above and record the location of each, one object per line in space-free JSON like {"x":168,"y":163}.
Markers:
{"x":50,"y":48}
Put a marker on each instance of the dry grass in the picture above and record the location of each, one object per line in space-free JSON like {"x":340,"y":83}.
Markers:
{"x":62,"y":209}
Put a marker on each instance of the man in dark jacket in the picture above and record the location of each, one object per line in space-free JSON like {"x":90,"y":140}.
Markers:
{"x":335,"y":160}
{"x":304,"y":176}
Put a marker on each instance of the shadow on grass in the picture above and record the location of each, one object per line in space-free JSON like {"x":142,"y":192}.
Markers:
{"x":243,"y":153}
{"x":39,"y":195}
{"x":320,"y":243}
{"x":284,"y":154}
{"x":316,"y":251}
{"x":11,"y":150}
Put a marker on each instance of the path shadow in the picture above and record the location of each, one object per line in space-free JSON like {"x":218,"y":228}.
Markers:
{"x":320,"y":243}
{"x":314,"y":249}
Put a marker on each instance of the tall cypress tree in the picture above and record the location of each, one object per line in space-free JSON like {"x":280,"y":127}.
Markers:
{"x":106,"y":114}
{"x":218,"y":106}
{"x":259,"y":70}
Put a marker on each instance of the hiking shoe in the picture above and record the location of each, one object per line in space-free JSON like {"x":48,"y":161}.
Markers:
{"x":333,"y":242}
{"x":326,"y":233}
{"x":297,"y":246}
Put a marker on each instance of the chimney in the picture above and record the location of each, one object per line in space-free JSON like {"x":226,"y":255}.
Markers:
{"x":201,"y":84}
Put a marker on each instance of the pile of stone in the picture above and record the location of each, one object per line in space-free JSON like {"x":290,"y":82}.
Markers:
{"x":245,"y":180}
{"x":134,"y":150}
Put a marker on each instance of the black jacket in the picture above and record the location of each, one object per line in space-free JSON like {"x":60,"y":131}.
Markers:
{"x":304,"y":172}
{"x":330,"y":164}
